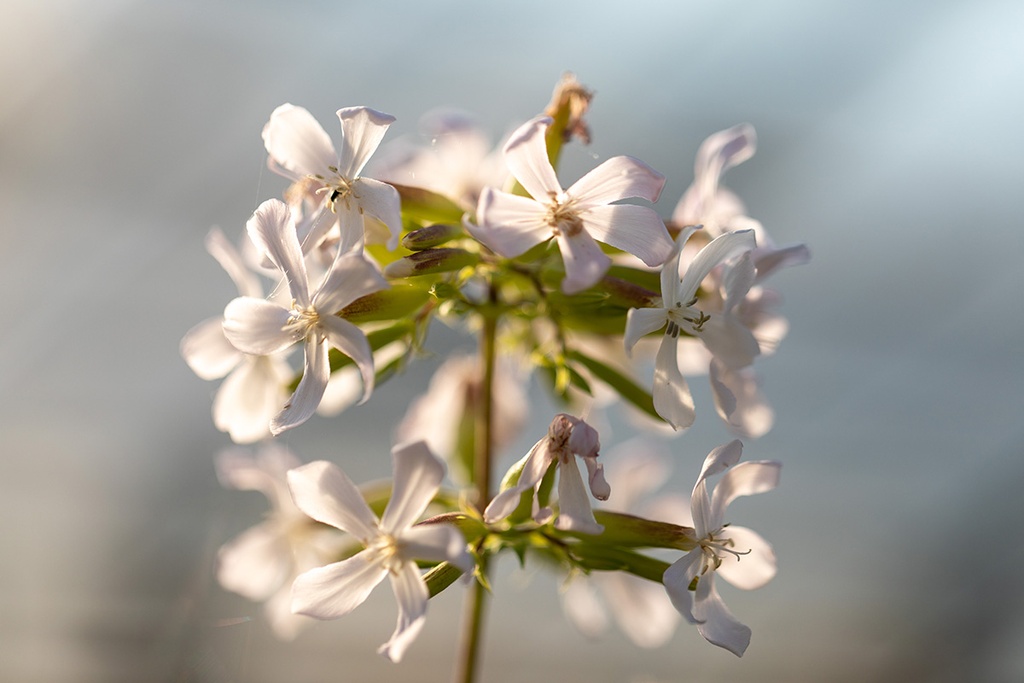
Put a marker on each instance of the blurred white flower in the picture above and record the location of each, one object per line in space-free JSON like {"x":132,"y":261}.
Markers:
{"x":392,"y":543}
{"x":510,"y":224}
{"x":567,"y":438}
{"x":254,"y":388}
{"x":741,"y":556}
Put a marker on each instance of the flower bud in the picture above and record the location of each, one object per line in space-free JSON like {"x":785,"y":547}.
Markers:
{"x":431,"y":236}
{"x":430,"y":261}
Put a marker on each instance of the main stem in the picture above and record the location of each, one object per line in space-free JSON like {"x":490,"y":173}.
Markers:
{"x":473,"y":618}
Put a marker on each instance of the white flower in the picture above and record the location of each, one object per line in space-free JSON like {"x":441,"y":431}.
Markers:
{"x":301,"y":150}
{"x":392,"y":543}
{"x":726,"y":338}
{"x":262,"y":562}
{"x":262,"y":327}
{"x":640,"y":607}
{"x":576,"y":217}
{"x":740,"y":555}
{"x":254,"y":388}
{"x":567,"y":437}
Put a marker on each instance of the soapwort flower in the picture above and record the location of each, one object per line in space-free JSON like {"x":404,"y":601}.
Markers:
{"x":392,"y":543}
{"x":262,"y":327}
{"x":567,"y":437}
{"x":300,"y":149}
{"x":510,"y":224}
{"x":680,"y":313}
{"x":741,"y":556}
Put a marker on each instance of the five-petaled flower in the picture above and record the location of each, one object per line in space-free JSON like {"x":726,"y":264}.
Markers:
{"x":300,"y":149}
{"x":510,"y":224}
{"x":392,"y":543}
{"x":740,"y":555}
{"x":679,"y":313}
{"x":567,"y":437}
{"x":262,"y":327}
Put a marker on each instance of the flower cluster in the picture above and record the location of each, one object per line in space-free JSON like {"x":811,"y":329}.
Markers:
{"x":580,"y":287}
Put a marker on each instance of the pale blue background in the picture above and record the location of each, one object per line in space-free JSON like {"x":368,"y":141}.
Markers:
{"x":890,"y":141}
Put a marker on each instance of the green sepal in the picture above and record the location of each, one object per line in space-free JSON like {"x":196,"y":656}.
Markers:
{"x":591,"y":557}
{"x":630,"y":531}
{"x":395,"y":303}
{"x":628,"y":389}
{"x":440,"y":577}
{"x":423,"y":206}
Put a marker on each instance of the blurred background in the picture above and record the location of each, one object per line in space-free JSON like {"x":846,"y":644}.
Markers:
{"x":889,"y":140}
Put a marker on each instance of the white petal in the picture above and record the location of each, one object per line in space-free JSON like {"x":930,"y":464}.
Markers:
{"x":753,"y":569}
{"x":351,"y":276}
{"x":739,"y":401}
{"x":582,"y":607}
{"x":677,"y":580}
{"x":220,"y":248}
{"x":272,"y":230}
{"x":729,"y":341}
{"x":256,"y":563}
{"x":435,"y":543}
{"x":250,"y":397}
{"x":417,"y":477}
{"x":716,"y":251}
{"x":585,"y":263}
{"x":537,"y":462}
{"x":351,"y":341}
{"x":640,"y":322}
{"x":640,"y":607}
{"x":323,"y":491}
{"x":718,"y":625}
{"x":301,"y":406}
{"x":411,"y":594}
{"x":297,"y":144}
{"x":257,"y":326}
{"x":207,"y":351}
{"x":526,"y":154}
{"x":617,"y":178}
{"x":768,"y":260}
{"x":596,"y":481}
{"x":362,"y":129}
{"x":381,"y":201}
{"x":670,"y":276}
{"x":720,"y":152}
{"x":738,"y":280}
{"x":637,"y":230}
{"x":745,"y":479}
{"x":509,"y":224}
{"x":574,"y":511}
{"x":671,"y":394}
{"x":337,"y":589}
{"x":344,"y":390}
{"x":720,"y":459}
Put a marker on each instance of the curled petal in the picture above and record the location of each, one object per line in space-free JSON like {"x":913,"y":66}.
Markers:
{"x":351,"y":341}
{"x":617,"y":178}
{"x":526,"y":154}
{"x":207,"y":351}
{"x":595,"y":478}
{"x":677,"y":579}
{"x":256,"y":563}
{"x":381,"y":201}
{"x":412,"y":595}
{"x":298,"y":146}
{"x":637,"y":230}
{"x":756,"y":567}
{"x":720,"y":152}
{"x":739,"y":401}
{"x":362,"y":129}
{"x":536,"y":464}
{"x":351,"y":276}
{"x":311,"y":388}
{"x":337,"y":589}
{"x":272,"y":229}
{"x":585,"y":263}
{"x":257,"y":326}
{"x":323,"y":491}
{"x":716,"y":623}
{"x":220,"y":248}
{"x":720,"y":249}
{"x":574,"y":511}
{"x":671,"y":394}
{"x":745,"y":479}
{"x":640,"y":322}
{"x":720,"y":459}
{"x":418,"y":474}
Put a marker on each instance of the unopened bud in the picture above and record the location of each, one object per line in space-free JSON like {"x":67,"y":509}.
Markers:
{"x":430,"y":261}
{"x":431,"y":236}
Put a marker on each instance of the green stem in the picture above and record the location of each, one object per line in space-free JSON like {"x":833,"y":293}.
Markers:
{"x":470,"y":644}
